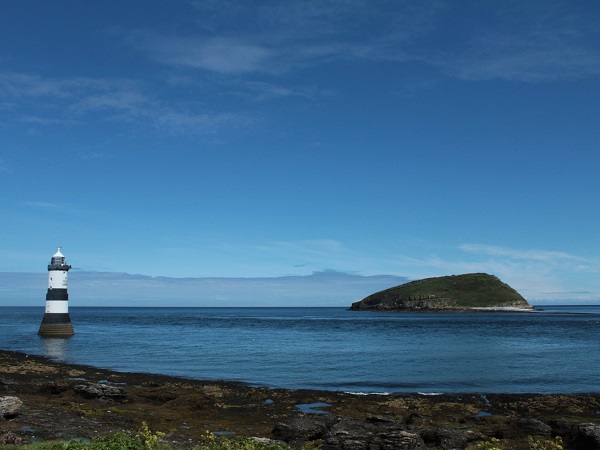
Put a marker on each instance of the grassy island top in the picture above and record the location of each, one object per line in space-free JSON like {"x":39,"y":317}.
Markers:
{"x":454,"y":292}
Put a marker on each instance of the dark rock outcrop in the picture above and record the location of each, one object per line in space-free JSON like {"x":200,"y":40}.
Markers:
{"x":357,"y":434}
{"x":446,"y":438}
{"x":534,"y":427}
{"x":10,"y":438}
{"x":300,"y":429}
{"x":587,"y":436}
{"x":348,"y":433}
{"x":100,"y":391}
{"x":54,"y":387}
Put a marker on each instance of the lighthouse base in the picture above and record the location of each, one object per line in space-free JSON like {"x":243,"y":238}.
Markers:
{"x":56,"y":325}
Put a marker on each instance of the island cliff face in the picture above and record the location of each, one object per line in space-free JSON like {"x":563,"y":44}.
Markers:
{"x":449,"y":293}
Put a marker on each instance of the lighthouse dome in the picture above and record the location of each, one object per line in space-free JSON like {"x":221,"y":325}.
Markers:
{"x":58,"y":258}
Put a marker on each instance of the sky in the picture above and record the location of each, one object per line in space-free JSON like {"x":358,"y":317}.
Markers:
{"x":273,"y":140}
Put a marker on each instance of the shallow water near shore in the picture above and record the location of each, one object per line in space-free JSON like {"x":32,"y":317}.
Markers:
{"x":553,"y":350}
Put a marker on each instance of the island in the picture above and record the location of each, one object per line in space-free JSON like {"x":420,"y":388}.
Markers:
{"x":468,"y":292}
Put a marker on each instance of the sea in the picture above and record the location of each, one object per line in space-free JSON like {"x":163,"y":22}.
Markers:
{"x":555,"y":349}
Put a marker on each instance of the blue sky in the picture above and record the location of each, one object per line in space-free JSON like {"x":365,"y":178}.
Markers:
{"x":218,"y":139}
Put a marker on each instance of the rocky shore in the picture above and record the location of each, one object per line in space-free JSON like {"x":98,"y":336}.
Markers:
{"x":41,"y":399}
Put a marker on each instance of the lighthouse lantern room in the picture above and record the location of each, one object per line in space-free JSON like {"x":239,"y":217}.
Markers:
{"x":56,"y":322}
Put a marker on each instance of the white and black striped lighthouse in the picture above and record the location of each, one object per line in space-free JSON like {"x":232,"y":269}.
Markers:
{"x":56,"y":322}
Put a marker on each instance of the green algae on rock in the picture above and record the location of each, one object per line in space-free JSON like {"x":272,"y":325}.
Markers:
{"x":473,"y":291}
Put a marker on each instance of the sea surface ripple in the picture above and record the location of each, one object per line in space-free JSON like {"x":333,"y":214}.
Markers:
{"x":553,"y":350}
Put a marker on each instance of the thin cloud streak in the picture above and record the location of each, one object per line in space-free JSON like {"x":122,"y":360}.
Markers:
{"x":539,"y":275}
{"x":526,"y":44}
{"x":73,"y":101}
{"x":288,"y":38}
{"x":516,"y":43}
{"x":325,"y":288}
{"x":222,"y":55}
{"x":526,"y":59}
{"x":535,"y":255}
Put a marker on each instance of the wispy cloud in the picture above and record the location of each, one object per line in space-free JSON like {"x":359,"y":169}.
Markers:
{"x":515,"y":41}
{"x":536,"y":272}
{"x":248,"y":51}
{"x":282,"y":37}
{"x":259,"y":91}
{"x":522,"y":58}
{"x":223,"y":55}
{"x":183,"y":122}
{"x":524,"y":42}
{"x":67,"y":98}
{"x":515,"y":254}
{"x":114,"y":98}
{"x":71,"y":101}
{"x":23,"y":85}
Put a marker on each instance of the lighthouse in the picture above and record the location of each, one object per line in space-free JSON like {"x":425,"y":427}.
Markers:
{"x":56,"y":322}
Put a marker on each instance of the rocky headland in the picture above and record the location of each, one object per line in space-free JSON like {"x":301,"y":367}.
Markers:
{"x":41,"y":399}
{"x":468,"y":292}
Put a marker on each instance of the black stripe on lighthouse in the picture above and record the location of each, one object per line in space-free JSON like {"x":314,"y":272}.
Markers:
{"x":57,"y":294}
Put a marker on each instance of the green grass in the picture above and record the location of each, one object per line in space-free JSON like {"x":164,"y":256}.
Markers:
{"x":147,"y":440}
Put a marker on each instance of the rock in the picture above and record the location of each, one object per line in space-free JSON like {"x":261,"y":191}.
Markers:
{"x":10,"y":407}
{"x":450,"y":439}
{"x":54,"y":387}
{"x":265,"y":441}
{"x":562,"y":427}
{"x":7,"y":382}
{"x":587,"y":436}
{"x":582,"y":436}
{"x":10,"y":438}
{"x":374,"y":433}
{"x":301,"y":429}
{"x":100,"y":391}
{"x":355,"y":434}
{"x":347,"y":433}
{"x":534,"y":427}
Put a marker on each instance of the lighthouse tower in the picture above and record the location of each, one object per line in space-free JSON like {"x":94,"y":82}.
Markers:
{"x":56,"y":322}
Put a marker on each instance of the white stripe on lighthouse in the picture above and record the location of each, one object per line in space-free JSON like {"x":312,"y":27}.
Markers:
{"x":57,"y":279}
{"x":57,"y":307}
